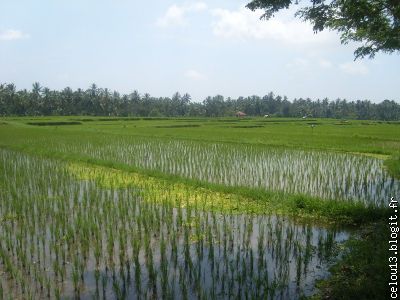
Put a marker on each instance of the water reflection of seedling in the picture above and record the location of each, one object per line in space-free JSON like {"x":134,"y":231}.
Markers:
{"x":157,"y":241}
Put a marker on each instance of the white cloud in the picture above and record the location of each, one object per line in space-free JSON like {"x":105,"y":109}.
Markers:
{"x":195,"y":75}
{"x":298,"y":63}
{"x":12,"y":34}
{"x":325,"y":64}
{"x":245,"y":24}
{"x":197,"y":6}
{"x":311,"y":62}
{"x":173,"y":17}
{"x":176,"y":15}
{"x":354,"y":68}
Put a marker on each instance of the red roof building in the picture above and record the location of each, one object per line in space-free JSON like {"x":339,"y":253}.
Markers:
{"x":240,"y":114}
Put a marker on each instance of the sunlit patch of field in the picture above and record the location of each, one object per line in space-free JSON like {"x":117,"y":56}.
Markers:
{"x":175,"y":194}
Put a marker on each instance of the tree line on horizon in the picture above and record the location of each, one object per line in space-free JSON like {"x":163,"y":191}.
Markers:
{"x":41,"y":101}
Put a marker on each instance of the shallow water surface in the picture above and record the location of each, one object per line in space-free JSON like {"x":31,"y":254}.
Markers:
{"x":65,"y":238}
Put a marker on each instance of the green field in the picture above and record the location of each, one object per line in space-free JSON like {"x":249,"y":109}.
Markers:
{"x":195,"y":207}
{"x":376,"y":137}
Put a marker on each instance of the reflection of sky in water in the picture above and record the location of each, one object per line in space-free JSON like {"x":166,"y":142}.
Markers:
{"x":283,"y":264}
{"x":252,"y":255}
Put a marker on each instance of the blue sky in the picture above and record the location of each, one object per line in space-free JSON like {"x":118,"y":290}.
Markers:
{"x":199,"y":47}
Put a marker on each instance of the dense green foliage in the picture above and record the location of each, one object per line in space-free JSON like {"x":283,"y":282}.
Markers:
{"x":364,"y":264}
{"x":376,"y":24}
{"x":102,"y":102}
{"x":393,"y":166}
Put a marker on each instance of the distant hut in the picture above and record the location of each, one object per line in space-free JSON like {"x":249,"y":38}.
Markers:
{"x":240,"y":114}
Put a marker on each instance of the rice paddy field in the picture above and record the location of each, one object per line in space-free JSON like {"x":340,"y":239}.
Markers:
{"x":190,"y":208}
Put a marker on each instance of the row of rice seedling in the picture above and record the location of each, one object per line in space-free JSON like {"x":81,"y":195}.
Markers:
{"x":71,"y":231}
{"x":327,"y":175}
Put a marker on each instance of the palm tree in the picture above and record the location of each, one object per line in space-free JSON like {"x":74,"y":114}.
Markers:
{"x":35,"y":105}
{"x":36,"y":88}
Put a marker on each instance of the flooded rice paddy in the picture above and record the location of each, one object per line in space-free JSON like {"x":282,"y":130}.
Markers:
{"x":327,"y":175}
{"x":63,"y":237}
